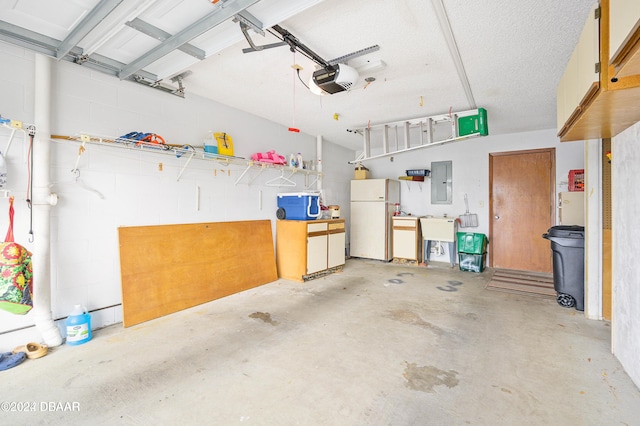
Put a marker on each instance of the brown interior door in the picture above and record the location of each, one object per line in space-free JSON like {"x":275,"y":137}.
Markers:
{"x":522,"y":208}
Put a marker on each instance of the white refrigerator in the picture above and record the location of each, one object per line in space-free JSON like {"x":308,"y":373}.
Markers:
{"x":372,"y":206}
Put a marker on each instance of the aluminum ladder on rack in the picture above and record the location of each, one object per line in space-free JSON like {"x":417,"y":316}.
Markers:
{"x":408,"y":135}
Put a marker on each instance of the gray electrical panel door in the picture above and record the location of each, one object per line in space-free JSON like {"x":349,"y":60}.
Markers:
{"x":441,"y":182}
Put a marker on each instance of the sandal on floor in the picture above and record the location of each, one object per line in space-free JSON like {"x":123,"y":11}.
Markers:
{"x":9,"y":360}
{"x":32,"y":350}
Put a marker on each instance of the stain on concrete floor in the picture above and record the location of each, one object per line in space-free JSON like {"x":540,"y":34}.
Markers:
{"x":503,"y":389}
{"x":408,"y":317}
{"x":425,"y":378}
{"x":264,"y":316}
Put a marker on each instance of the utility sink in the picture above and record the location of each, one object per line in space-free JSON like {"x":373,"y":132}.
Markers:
{"x":438,"y":228}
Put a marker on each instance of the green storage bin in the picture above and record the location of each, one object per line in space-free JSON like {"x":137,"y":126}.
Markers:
{"x":472,"y":243}
{"x":472,"y":262}
{"x":472,"y":124}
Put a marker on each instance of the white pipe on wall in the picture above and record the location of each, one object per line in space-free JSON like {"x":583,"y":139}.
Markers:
{"x":319,"y":156}
{"x":41,"y":202}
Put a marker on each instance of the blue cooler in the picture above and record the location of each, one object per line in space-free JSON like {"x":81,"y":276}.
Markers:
{"x":298,"y":206}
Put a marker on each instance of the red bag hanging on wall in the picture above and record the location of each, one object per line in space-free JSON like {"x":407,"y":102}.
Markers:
{"x":16,"y":274}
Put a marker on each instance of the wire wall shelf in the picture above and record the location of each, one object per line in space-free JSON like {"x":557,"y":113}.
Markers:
{"x":250,"y":170}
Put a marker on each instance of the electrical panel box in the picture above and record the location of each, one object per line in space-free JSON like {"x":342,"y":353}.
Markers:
{"x":441,"y":182}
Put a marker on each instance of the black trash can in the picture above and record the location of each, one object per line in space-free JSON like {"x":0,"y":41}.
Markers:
{"x":567,"y":244}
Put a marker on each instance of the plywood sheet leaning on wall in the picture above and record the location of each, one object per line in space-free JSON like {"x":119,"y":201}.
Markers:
{"x":168,"y":268}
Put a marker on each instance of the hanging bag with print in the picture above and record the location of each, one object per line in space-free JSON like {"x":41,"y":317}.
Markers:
{"x":16,"y":274}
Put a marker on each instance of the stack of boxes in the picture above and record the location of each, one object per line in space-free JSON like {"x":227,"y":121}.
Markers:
{"x":472,"y":251}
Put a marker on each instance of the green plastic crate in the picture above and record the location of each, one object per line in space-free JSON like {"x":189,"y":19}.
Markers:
{"x":472,"y":243}
{"x":472,"y":124}
{"x":472,"y":262}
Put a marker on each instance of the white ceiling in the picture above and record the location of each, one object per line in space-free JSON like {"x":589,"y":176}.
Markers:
{"x":513,"y":52}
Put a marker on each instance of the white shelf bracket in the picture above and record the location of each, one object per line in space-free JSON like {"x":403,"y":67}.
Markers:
{"x":185,"y":165}
{"x":243,"y":173}
{"x":309,"y":185}
{"x":262,"y":169}
{"x":409,"y":186}
{"x":13,"y":132}
{"x":16,"y":125}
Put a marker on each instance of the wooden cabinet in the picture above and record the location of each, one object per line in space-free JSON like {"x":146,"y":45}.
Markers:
{"x":624,"y":37}
{"x":406,"y":238}
{"x":597,"y":108}
{"x":581,"y":80}
{"x":306,"y":249}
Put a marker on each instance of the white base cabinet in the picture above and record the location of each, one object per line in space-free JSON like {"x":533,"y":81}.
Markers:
{"x":406,"y":238}
{"x":309,"y":248}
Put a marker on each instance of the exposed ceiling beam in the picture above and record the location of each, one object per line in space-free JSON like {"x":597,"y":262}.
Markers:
{"x":47,"y":46}
{"x":445,"y":25}
{"x":93,"y":18}
{"x":222,"y":12}
{"x":159,"y":34}
{"x":28,"y":39}
{"x":250,"y":21}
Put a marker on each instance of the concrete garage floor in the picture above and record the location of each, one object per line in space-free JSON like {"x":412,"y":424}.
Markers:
{"x":378,"y":344}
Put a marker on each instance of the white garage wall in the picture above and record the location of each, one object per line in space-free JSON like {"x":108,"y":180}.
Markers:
{"x":118,"y":187}
{"x":625,"y":149}
{"x":470,"y":159}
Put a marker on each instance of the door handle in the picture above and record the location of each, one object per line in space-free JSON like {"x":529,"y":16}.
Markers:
{"x":496,"y":217}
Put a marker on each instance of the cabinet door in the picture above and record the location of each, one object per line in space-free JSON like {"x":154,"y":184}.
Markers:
{"x":316,"y":253}
{"x":369,"y":190}
{"x":580,"y":74}
{"x":405,"y":237}
{"x":624,"y":17}
{"x":336,"y":250}
{"x":404,"y":244}
{"x":588,"y":54}
{"x":369,"y":230}
{"x":568,"y":93}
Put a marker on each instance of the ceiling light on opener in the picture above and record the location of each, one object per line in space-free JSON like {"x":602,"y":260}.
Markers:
{"x":371,"y":67}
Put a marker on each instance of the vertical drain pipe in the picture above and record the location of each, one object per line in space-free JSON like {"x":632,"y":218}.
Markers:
{"x":319,"y":157}
{"x":41,"y":202}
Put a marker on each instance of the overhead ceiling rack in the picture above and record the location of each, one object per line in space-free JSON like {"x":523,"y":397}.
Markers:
{"x":408,"y":135}
{"x":96,"y":39}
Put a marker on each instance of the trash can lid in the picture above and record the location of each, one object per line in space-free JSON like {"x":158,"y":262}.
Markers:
{"x":566,"y":231}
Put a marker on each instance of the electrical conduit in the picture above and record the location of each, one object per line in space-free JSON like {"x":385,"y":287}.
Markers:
{"x":319,"y":156}
{"x":41,"y":201}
